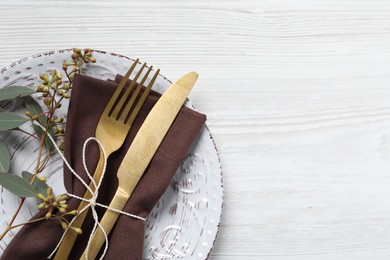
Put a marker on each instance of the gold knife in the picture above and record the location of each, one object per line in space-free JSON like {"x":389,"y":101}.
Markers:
{"x":141,"y":151}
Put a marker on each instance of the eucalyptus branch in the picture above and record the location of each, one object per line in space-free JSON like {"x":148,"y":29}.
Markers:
{"x":27,"y":133}
{"x":19,"y":225}
{"x":9,"y":226}
{"x":54,"y":91}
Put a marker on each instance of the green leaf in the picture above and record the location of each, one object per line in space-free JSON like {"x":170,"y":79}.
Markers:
{"x":10,"y":104}
{"x":9,"y":120}
{"x":17,"y":185}
{"x":38,"y":185}
{"x":4,"y":157}
{"x":35,"y":109}
{"x":39,"y":132}
{"x":14,"y":92}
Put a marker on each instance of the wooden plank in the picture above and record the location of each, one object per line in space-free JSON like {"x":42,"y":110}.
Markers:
{"x":297,"y":97}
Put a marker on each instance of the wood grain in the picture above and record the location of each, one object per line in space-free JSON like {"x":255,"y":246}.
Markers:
{"x":297,"y":97}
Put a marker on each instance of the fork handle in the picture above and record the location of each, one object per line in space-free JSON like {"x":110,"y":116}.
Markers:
{"x":70,"y":236}
{"x":108,"y":221}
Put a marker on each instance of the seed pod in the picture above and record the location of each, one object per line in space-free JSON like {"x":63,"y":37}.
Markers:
{"x":77,"y":230}
{"x":29,"y":114}
{"x":93,"y":60}
{"x":48,"y":215}
{"x":41,"y":178}
{"x":73,"y":212}
{"x":41,"y":196}
{"x":65,"y":206}
{"x":64,"y":225}
{"x":77,"y":50}
{"x":41,"y":206}
{"x":74,"y":56}
{"x":47,"y":101}
{"x":44,"y":77}
{"x":64,"y":67}
{"x":62,"y":197}
{"x":65,"y":86}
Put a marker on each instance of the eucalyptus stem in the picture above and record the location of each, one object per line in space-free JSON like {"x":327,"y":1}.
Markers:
{"x":9,"y":227}
{"x":27,"y":133}
{"x":41,"y":147}
{"x":19,"y":225}
{"x":45,"y":162}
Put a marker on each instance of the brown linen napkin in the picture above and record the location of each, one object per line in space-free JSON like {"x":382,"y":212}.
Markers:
{"x":88,"y":99}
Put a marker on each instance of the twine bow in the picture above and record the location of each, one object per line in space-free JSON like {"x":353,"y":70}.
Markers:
{"x":91,"y":203}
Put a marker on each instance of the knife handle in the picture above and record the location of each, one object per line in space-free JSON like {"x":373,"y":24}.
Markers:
{"x":107,"y":222}
{"x":71,"y":236}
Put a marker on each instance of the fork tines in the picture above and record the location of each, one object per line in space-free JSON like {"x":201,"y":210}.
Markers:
{"x":121,"y":107}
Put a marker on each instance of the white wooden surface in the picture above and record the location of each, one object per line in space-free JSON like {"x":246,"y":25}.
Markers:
{"x":297,"y":95}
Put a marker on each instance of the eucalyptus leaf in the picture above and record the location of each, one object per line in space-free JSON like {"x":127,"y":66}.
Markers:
{"x":33,"y":106}
{"x":5,"y":104}
{"x":17,"y":185}
{"x":14,"y":92}
{"x":9,"y":120}
{"x":35,"y":109}
{"x":38,"y":185}
{"x":10,"y":104}
{"x":4,"y":157}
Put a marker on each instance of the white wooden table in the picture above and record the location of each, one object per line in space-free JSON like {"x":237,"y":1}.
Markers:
{"x":297,"y":95}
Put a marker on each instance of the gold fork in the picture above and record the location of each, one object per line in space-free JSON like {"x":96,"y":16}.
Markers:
{"x":140,"y":153}
{"x":111,"y":131}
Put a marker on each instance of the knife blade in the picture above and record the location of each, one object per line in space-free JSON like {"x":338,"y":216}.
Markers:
{"x":140,"y":153}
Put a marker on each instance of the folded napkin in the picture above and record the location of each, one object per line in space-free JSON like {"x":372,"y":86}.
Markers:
{"x":88,"y":99}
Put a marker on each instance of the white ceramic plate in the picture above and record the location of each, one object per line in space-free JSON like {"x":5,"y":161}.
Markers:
{"x":186,"y":219}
